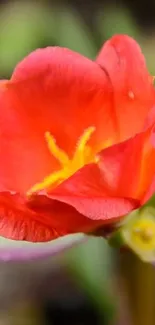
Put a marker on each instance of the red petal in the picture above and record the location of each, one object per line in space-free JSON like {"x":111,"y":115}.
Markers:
{"x":122,"y":171}
{"x":150,"y":168}
{"x":133,"y":92}
{"x":19,"y":222}
{"x":52,"y":90}
{"x":63,"y":92}
{"x":150,"y":118}
{"x":96,"y":195}
{"x":79,"y":213}
{"x":24,"y":155}
{"x":113,"y":187}
{"x":150,"y":191}
{"x":100,"y":209}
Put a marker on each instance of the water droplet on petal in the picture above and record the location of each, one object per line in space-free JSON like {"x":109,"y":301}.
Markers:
{"x":131,"y":94}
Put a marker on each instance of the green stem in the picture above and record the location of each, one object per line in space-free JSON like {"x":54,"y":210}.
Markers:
{"x":139,"y":284}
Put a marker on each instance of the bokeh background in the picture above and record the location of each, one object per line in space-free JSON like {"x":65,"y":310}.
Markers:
{"x":82,"y":285}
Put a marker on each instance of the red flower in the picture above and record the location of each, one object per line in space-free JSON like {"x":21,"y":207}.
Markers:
{"x":74,"y":151}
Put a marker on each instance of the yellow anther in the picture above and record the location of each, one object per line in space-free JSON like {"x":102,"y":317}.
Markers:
{"x":58,"y":153}
{"x":54,"y":178}
{"x":145,"y":234}
{"x":83,"y":155}
{"x":84,"y":139}
{"x":83,"y":151}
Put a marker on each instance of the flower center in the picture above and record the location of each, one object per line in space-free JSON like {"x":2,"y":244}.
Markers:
{"x":143,"y":233}
{"x":83,"y":155}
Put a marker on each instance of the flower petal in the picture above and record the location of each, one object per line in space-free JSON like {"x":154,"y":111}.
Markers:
{"x":133,"y":92}
{"x":92,"y":211}
{"x":18,"y":222}
{"x":24,"y":155}
{"x":39,"y":221}
{"x":149,"y":165}
{"x":60,"y":91}
{"x":115,"y":185}
{"x":96,"y":195}
{"x":65,"y":92}
{"x":53,"y":90}
{"x":150,"y":118}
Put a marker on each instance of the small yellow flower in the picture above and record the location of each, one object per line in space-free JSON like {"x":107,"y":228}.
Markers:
{"x":138,"y":233}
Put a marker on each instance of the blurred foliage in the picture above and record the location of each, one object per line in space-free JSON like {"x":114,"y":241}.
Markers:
{"x":110,"y":22}
{"x":73,"y":33}
{"x":25,"y":26}
{"x":92,"y":265}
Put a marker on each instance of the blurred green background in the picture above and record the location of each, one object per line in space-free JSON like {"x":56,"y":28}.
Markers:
{"x":81,"y":286}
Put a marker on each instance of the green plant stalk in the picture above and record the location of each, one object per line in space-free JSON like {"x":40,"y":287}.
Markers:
{"x":139,"y":286}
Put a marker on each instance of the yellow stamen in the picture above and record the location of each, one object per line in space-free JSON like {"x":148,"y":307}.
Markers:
{"x":83,"y":155}
{"x":142,"y":233}
{"x":82,"y":151}
{"x":55,"y":150}
{"x":146,"y":234}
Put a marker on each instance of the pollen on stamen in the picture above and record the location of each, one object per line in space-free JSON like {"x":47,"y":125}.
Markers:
{"x":85,"y":138}
{"x":131,"y":94}
{"x":69,"y":166}
{"x":145,"y":234}
{"x":58,"y":153}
